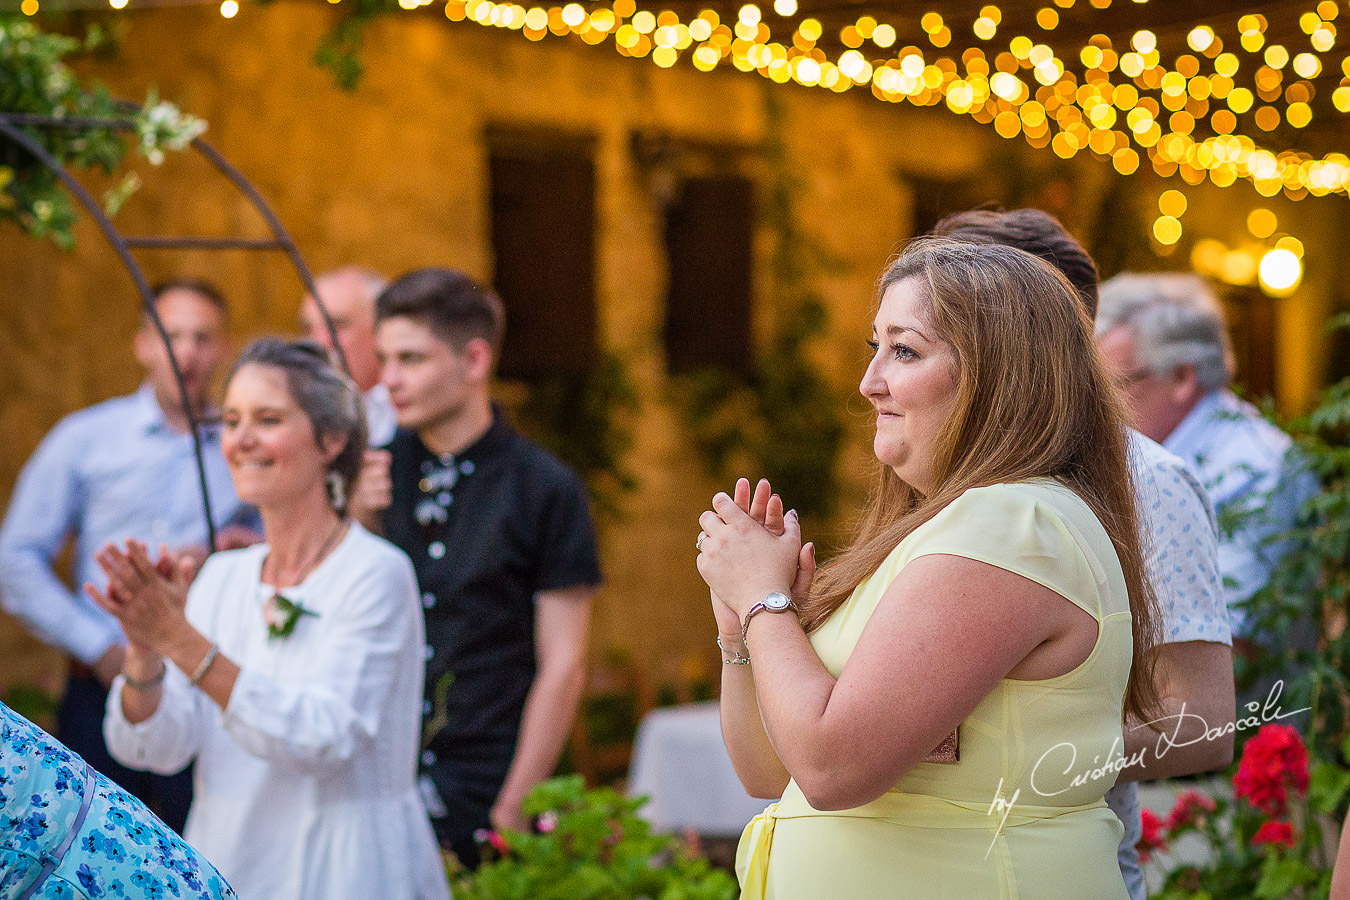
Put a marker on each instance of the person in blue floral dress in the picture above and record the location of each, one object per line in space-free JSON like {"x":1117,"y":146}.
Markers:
{"x":68,"y":833}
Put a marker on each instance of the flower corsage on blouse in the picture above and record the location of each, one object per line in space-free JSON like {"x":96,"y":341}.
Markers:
{"x":281,"y":615}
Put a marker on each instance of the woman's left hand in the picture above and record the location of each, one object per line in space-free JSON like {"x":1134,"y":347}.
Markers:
{"x":741,"y":560}
{"x":148,"y":598}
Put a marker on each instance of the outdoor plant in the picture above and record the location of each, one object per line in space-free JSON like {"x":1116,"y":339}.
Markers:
{"x":589,"y":845}
{"x":785,"y":421}
{"x":1311,"y":586}
{"x":34,"y":80}
{"x":1265,"y":841}
{"x":586,"y":419}
{"x":1270,"y":839}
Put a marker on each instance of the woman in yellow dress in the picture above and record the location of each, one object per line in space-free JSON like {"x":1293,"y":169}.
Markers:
{"x":941,"y":708}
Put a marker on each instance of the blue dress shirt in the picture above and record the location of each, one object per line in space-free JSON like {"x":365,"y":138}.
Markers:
{"x":1242,"y":461}
{"x":113,"y":471}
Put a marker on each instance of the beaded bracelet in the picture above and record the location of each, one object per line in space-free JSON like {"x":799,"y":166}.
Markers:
{"x":205,"y":665}
{"x":735,"y":659}
{"x":148,"y":683}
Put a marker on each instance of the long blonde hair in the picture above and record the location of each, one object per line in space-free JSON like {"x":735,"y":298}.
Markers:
{"x":1032,"y":401}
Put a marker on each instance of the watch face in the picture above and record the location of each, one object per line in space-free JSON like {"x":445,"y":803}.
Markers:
{"x":777,"y":601}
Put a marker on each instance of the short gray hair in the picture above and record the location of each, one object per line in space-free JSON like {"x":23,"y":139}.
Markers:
{"x":372,"y":283}
{"x":1176,"y":320}
{"x":327,"y":397}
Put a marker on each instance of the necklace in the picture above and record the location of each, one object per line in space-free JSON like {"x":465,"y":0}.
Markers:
{"x":280,"y":613}
{"x":328,"y":543}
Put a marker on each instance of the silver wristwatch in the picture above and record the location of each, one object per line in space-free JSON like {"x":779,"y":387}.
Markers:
{"x":775,"y":602}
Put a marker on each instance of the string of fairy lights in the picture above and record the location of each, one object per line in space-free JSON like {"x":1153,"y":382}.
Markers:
{"x":1125,"y":104}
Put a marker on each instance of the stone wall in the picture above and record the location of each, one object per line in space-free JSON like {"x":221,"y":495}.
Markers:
{"x":394,"y":176}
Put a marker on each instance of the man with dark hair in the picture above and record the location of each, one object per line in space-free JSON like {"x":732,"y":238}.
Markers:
{"x":124,"y":468}
{"x":1035,"y":232}
{"x":1195,"y":657}
{"x":500,"y":535}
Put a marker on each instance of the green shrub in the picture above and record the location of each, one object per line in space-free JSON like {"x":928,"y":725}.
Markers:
{"x":590,"y":845}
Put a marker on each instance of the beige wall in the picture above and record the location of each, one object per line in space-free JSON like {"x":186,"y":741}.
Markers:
{"x":394,"y":176}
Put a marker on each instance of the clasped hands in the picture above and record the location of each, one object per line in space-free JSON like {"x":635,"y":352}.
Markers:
{"x":147,"y":597}
{"x":749,"y":548}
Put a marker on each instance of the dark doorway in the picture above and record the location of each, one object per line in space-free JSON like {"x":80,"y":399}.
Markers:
{"x":709,"y":244}
{"x":1251,"y":327}
{"x":543,"y":239}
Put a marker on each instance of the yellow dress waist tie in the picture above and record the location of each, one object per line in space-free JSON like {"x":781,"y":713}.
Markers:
{"x":912,"y":810}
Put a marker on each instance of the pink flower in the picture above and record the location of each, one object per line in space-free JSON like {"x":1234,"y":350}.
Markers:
{"x":1276,"y":834}
{"x":1151,"y":838}
{"x":273,"y":614}
{"x":494,"y":839}
{"x":548,"y":820}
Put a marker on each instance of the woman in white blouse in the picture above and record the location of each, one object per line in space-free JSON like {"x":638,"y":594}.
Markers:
{"x":290,"y":671}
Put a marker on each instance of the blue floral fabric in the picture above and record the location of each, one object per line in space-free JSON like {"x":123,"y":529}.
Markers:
{"x":121,"y":850}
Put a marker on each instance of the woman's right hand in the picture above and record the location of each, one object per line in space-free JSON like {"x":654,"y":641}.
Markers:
{"x":766,"y":508}
{"x":147,"y":598}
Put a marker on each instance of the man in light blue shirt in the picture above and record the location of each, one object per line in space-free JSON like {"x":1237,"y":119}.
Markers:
{"x":1165,"y":337}
{"x":121,"y":469}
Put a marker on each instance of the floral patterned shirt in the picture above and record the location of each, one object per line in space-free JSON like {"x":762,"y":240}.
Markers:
{"x":68,"y":833}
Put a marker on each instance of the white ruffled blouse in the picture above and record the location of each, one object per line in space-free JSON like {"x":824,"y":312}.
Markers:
{"x":305,"y":785}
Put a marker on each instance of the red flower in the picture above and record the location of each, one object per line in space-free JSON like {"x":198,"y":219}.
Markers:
{"x":1278,"y":834}
{"x":1151,"y":837}
{"x":492,"y":838}
{"x":1272,"y":762}
{"x":1190,"y":808}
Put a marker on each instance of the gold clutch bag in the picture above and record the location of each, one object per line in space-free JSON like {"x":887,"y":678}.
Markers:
{"x":949,"y":751}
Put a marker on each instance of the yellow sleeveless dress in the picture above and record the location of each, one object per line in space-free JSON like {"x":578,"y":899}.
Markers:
{"x":1021,"y":815}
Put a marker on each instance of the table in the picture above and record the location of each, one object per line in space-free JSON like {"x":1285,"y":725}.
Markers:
{"x":682,"y":766}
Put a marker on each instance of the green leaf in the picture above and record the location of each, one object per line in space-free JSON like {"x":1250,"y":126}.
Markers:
{"x":1327,"y":786}
{"x":1280,"y":876}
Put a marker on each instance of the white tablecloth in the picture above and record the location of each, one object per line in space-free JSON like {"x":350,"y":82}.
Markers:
{"x":681,"y":764}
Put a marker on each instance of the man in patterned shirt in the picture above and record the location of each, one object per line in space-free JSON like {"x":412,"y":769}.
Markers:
{"x":1195,"y":656}
{"x":1165,"y":334}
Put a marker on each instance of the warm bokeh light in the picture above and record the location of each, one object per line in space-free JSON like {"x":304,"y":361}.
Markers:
{"x":1280,"y":271}
{"x":1207,"y":256}
{"x":1172,"y":203}
{"x":1290,"y":243}
{"x":1237,"y":267}
{"x":1200,"y":38}
{"x":1167,"y":230}
{"x":1190,"y":116}
{"x":229,"y":8}
{"x":1261,"y":222}
{"x":1307,"y":65}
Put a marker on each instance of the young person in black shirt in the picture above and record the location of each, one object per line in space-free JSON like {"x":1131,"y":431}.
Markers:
{"x":500,"y":535}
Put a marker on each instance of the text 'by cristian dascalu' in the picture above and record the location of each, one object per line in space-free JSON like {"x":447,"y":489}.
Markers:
{"x":1061,"y":760}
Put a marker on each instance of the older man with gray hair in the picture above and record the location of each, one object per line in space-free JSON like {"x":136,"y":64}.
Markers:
{"x":1166,"y":339}
{"x":348,"y":294}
